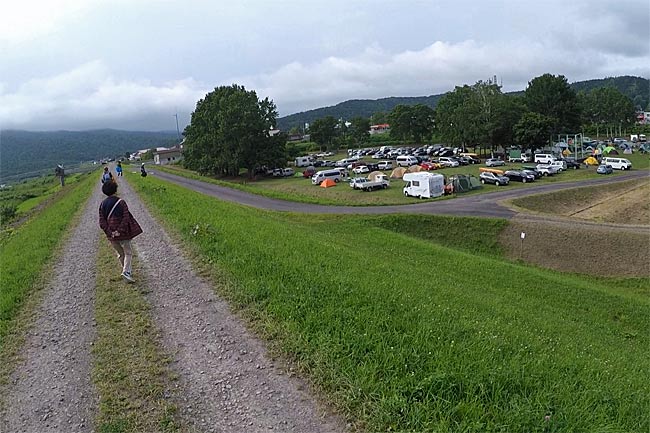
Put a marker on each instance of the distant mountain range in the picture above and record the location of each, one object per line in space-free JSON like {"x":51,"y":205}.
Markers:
{"x":25,"y":151}
{"x":638,"y":89}
{"x":30,"y":152}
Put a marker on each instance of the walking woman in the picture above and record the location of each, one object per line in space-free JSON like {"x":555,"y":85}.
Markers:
{"x":120,"y":227}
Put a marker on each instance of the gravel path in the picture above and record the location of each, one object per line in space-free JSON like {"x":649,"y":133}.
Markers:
{"x":227,"y":382}
{"x":51,"y":390}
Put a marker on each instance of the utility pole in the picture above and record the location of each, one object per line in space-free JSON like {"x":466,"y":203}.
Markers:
{"x":178,"y":132}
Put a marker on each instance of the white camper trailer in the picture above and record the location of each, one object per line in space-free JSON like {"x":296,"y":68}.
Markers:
{"x":424,"y":184}
{"x":304,"y":161}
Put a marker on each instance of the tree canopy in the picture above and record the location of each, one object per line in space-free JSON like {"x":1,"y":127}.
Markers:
{"x":230,"y":130}
{"x":411,"y":122}
{"x":551,"y":96}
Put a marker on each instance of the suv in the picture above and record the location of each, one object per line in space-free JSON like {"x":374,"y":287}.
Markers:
{"x":385,"y":165}
{"x":493,"y":162}
{"x":497,"y":179}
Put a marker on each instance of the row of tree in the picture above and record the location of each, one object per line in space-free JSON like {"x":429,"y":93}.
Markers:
{"x":230,"y":128}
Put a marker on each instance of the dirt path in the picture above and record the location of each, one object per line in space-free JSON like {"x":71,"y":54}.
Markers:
{"x":51,"y":390}
{"x":227,"y":382}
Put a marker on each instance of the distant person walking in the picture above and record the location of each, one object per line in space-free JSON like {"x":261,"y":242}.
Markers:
{"x":107,"y":176}
{"x":60,"y":173}
{"x":118,"y":169}
{"x":119,"y":226}
{"x":143,"y":172}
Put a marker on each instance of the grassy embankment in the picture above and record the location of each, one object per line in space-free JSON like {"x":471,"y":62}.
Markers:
{"x":130,"y":371}
{"x":301,"y":190}
{"x":25,"y":253}
{"x":404,"y":328}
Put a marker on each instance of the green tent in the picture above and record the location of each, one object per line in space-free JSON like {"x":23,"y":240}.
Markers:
{"x":464,"y":182}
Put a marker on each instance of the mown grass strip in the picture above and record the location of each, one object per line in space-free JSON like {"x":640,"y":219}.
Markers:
{"x":25,"y":254}
{"x":130,"y":372}
{"x":404,"y":334}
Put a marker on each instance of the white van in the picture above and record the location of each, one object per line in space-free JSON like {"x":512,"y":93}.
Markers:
{"x":304,"y":161}
{"x":617,"y":163}
{"x":544,"y":158}
{"x":423,"y":184}
{"x":320,"y":176}
{"x":406,"y":160}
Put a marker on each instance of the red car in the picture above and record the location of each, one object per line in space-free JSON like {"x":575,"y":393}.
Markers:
{"x":430,"y":166}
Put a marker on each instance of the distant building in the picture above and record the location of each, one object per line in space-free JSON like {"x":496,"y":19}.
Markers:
{"x":379,"y":129}
{"x":643,"y":117}
{"x":168,"y":156}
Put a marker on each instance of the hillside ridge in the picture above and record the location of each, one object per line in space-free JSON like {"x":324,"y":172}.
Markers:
{"x":636,"y":88}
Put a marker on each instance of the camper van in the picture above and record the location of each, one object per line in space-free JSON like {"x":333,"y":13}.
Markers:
{"x":304,"y":161}
{"x":424,"y":184}
{"x":320,"y":176}
{"x":617,"y":163}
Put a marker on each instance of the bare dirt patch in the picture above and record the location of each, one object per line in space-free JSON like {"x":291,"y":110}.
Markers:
{"x":602,"y":230}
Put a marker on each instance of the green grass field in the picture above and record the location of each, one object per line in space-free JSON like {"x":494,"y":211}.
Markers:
{"x":403,"y":327}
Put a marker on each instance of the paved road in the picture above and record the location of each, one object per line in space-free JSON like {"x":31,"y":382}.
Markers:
{"x":479,"y":205}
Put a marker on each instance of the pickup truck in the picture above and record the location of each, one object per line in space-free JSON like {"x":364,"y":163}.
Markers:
{"x":380,"y":181}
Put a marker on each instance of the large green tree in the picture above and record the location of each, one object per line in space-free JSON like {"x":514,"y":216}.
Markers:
{"x":533,"y":131}
{"x":474,"y":115}
{"x":359,"y":130}
{"x":607,"y":108}
{"x":551,"y":96}
{"x":322,"y":131}
{"x":413,"y":122}
{"x":229,"y":130}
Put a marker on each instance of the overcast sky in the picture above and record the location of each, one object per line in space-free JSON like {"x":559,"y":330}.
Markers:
{"x":133,"y":64}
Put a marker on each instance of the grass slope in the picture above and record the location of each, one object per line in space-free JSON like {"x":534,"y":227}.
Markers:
{"x":407,"y":334}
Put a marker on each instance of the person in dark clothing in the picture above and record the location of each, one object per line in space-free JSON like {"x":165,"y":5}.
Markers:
{"x":60,"y":173}
{"x":107,"y":176}
{"x":119,"y":226}
{"x":143,"y":172}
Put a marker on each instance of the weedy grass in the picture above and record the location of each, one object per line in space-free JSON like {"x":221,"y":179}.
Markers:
{"x":403,"y":333}
{"x":26,"y":251}
{"x":130,"y":372}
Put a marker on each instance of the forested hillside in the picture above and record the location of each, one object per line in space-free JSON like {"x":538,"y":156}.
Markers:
{"x":355,"y":107}
{"x":636,"y":88}
{"x":24,"y":151}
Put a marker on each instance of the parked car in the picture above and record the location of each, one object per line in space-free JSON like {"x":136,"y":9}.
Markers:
{"x":360,"y":169}
{"x":536,"y":174}
{"x":448,"y":161}
{"x":547,"y":169}
{"x":358,"y":182}
{"x":571,"y":163}
{"x":385,"y":165}
{"x":519,"y":176}
{"x":494,"y":162}
{"x":283,"y":172}
{"x":496,"y":179}
{"x":604,"y":169}
{"x":430,"y":165}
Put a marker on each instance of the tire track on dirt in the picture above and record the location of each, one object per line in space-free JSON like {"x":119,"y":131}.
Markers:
{"x":51,"y":389}
{"x":227,"y":382}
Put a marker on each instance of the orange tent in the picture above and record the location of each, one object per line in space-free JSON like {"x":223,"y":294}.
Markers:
{"x":327,"y":183}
